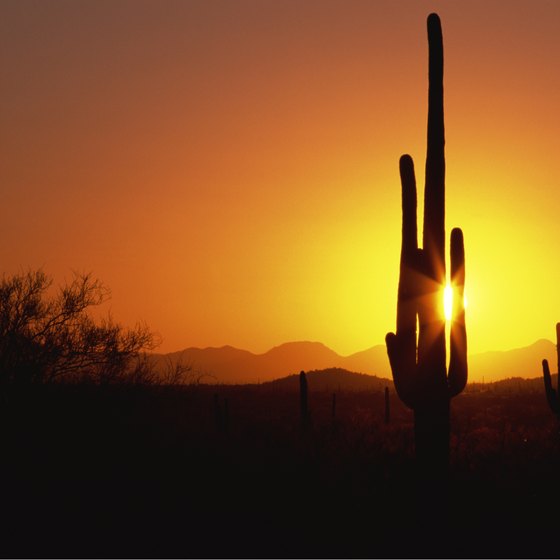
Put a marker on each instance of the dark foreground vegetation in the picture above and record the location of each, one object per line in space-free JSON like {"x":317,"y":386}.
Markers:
{"x":231,"y":471}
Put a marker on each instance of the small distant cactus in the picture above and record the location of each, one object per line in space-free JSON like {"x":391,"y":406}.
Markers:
{"x":303,"y":404}
{"x":552,"y":396}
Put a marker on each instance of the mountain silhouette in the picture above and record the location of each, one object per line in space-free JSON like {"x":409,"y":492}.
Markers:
{"x":522,"y":362}
{"x":235,"y":366}
{"x":231,"y":365}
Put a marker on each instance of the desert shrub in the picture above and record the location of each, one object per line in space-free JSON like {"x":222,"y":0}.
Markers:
{"x":49,"y":334}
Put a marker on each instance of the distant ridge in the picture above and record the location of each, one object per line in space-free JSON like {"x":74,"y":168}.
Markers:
{"x":522,"y":362}
{"x":232,"y":365}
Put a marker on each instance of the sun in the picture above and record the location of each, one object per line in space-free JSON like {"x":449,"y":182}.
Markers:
{"x":448,"y":297}
{"x":448,"y":302}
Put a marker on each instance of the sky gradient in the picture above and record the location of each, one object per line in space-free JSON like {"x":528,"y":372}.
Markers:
{"x":230,"y":169}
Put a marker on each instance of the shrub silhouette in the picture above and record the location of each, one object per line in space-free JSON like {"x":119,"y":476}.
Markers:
{"x":46,"y":338}
{"x":552,"y":396}
{"x":419,"y":368}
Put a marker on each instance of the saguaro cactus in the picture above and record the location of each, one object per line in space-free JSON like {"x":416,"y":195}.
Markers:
{"x":422,"y":380}
{"x":304,"y":409}
{"x":552,"y":396}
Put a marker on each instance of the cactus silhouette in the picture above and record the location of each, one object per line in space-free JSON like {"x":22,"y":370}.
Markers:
{"x":387,"y":407}
{"x":422,"y":380}
{"x":304,"y":409}
{"x":552,"y":396}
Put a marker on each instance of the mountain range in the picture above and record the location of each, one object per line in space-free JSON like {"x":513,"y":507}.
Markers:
{"x":235,"y":366}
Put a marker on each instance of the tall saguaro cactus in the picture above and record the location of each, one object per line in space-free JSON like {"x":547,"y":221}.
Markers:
{"x":552,"y":396}
{"x":422,"y":379}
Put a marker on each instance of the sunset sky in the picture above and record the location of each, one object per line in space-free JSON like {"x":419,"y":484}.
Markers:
{"x":230,"y":168}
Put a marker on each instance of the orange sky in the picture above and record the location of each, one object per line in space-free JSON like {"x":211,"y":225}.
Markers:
{"x":230,"y":169}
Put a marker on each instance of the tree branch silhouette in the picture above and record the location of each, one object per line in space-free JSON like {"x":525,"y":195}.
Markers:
{"x":47,"y":337}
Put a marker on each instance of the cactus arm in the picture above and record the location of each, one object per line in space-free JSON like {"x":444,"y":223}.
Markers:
{"x":458,"y":370}
{"x":551,"y":395}
{"x":409,"y":210}
{"x":401,"y":347}
{"x":407,"y":293}
{"x":403,"y":377}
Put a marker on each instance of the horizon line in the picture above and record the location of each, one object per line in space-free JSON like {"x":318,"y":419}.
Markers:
{"x":222,"y":346}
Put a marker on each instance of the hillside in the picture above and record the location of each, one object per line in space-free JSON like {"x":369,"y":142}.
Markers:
{"x":333,"y":379}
